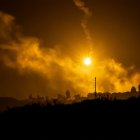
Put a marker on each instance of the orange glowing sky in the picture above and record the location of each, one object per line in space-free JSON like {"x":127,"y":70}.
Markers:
{"x":49,"y":46}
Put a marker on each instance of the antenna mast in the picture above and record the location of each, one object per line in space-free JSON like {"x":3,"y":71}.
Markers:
{"x":95,"y":89}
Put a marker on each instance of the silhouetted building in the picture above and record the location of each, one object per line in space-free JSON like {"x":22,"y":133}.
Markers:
{"x":139,"y":88}
{"x":133,"y":90}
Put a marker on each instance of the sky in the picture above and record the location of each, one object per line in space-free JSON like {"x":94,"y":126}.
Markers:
{"x":42,"y":44}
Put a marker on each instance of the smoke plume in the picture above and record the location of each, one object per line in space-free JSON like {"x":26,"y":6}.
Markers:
{"x":48,"y":71}
{"x":87,"y":14}
{"x":114,"y":77}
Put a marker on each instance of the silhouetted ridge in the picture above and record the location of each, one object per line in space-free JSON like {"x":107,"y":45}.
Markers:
{"x":90,"y":118}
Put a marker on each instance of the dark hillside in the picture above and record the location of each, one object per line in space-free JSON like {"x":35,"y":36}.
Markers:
{"x":98,"y":119}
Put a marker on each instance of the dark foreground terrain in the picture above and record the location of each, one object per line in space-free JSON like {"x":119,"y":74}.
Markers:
{"x":91,"y":119}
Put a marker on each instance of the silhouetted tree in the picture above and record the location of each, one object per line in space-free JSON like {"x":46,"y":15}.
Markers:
{"x":31,"y":98}
{"x":133,"y":90}
{"x":139,"y":90}
{"x":61,"y":98}
{"x":68,"y":94}
{"x":77,"y":97}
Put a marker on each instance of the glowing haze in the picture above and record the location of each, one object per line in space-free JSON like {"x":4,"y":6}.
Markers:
{"x":56,"y":72}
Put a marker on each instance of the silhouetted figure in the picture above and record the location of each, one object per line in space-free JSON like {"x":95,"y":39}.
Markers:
{"x":133,"y":90}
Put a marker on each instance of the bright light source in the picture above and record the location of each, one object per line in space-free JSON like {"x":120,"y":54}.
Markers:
{"x":87,"y":61}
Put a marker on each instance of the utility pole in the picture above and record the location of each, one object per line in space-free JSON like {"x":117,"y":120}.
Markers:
{"x":95,"y":89}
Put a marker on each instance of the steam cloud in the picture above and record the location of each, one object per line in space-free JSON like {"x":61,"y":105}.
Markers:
{"x":59,"y":72}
